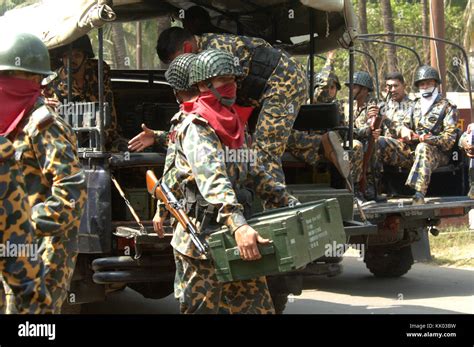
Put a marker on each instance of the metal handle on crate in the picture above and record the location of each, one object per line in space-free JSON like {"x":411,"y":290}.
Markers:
{"x":234,"y":254}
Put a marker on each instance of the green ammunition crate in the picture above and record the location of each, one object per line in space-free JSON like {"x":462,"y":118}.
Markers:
{"x":314,"y":192}
{"x":140,"y":200}
{"x":299,"y":236}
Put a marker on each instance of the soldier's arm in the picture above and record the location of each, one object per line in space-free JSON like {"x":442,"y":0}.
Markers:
{"x":447,"y":138}
{"x":55,"y":149}
{"x":203,"y":151}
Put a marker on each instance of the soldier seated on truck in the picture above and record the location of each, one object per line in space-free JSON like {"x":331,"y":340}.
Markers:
{"x":206,"y":177}
{"x":365,"y":109}
{"x":426,"y":137}
{"x":85,"y":86}
{"x":398,"y":106}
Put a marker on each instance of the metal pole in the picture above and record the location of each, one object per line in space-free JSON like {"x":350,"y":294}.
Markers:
{"x":101,"y":88}
{"x":418,"y":58}
{"x":461,"y":48}
{"x":139,"y":45}
{"x":311,"y":56}
{"x":351,"y":96}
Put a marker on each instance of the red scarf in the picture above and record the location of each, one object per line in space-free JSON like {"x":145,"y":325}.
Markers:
{"x":17,"y":98}
{"x":227,"y":122}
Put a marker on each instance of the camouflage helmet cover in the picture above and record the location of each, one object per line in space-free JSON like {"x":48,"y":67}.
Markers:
{"x":363,"y":79}
{"x":213,"y":63}
{"x":424,"y":73}
{"x":177,"y":74}
{"x":332,"y":78}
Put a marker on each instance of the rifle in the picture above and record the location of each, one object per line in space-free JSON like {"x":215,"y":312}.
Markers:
{"x":371,"y":144}
{"x":159,"y":190}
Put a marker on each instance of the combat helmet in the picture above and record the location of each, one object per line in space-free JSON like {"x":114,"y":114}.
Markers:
{"x":177,"y":74}
{"x":363,"y":79}
{"x":426,"y":72}
{"x":332,"y":78}
{"x":24,"y":52}
{"x":212,"y":63}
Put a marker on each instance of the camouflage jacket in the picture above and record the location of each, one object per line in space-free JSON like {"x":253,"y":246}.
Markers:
{"x":197,"y":159}
{"x":445,"y":136}
{"x":46,"y":147}
{"x":15,"y":211}
{"x":395,"y":114}
{"x":89,"y":92}
{"x":361,"y":120}
{"x":161,"y":138}
{"x":243,"y":48}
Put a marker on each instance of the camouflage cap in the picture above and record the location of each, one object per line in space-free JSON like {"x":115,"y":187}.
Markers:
{"x":363,"y":79}
{"x":212,"y":63}
{"x":24,"y":52}
{"x":177,"y":74}
{"x":424,"y":73}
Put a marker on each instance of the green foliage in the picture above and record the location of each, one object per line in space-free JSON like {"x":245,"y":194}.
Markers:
{"x":407,"y":16}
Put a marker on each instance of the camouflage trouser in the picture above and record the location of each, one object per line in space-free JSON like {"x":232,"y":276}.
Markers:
{"x":199,"y":292}
{"x":23,"y":278}
{"x":285,"y":93}
{"x":59,"y":256}
{"x":425,"y":159}
{"x":305,"y":146}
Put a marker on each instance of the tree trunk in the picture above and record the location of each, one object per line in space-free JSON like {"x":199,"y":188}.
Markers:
{"x":392,"y":62}
{"x":362,"y":12}
{"x":425,"y":15}
{"x":119,"y":47}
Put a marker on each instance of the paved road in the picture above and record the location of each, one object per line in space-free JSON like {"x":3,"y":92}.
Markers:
{"x":426,"y":289}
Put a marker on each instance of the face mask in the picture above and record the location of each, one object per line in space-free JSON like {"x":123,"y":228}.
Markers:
{"x":428,"y":93}
{"x":226,"y":94}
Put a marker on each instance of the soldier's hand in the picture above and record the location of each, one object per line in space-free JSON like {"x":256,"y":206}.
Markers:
{"x":52,"y":102}
{"x":158,"y":220}
{"x":376,"y":134}
{"x":143,"y":140}
{"x":425,"y":138}
{"x":247,"y":240}
{"x":406,"y":134}
{"x":373,"y":111}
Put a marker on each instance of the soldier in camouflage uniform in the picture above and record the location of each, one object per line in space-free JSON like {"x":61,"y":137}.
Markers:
{"x":177,"y":77}
{"x":273,"y":80}
{"x":46,"y":148}
{"x":24,"y":274}
{"x":85,"y":86}
{"x":398,"y":106}
{"x":364,"y":110}
{"x":203,"y":177}
{"x":425,"y":137}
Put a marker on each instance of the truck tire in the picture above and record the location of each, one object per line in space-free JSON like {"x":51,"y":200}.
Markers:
{"x":389,"y":263}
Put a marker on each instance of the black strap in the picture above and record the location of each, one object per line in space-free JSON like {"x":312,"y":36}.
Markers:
{"x":439,"y":121}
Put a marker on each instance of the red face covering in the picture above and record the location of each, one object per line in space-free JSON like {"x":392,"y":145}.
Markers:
{"x":17,"y":98}
{"x":227,"y":122}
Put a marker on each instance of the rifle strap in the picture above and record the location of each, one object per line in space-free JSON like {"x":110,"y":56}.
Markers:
{"x":440,"y":119}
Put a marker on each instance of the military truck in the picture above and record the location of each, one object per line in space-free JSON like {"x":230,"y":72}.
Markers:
{"x":114,"y":253}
